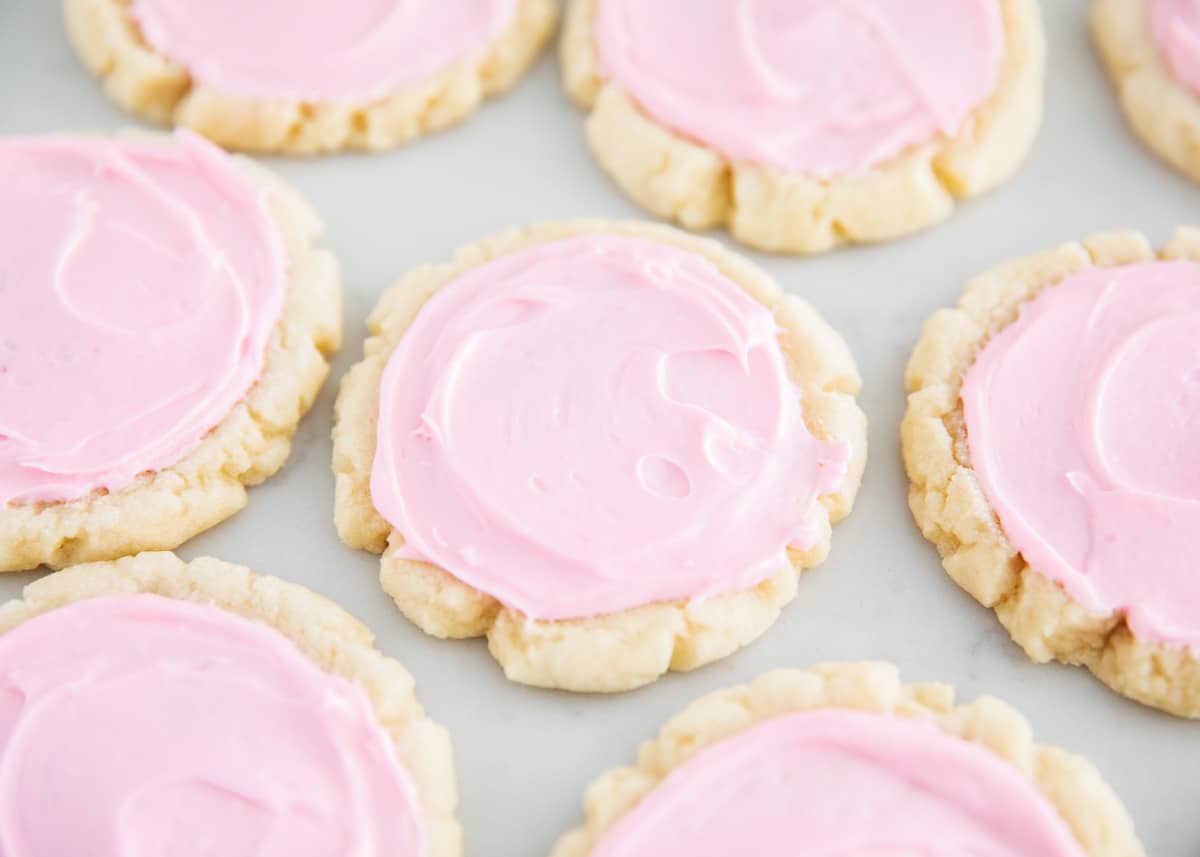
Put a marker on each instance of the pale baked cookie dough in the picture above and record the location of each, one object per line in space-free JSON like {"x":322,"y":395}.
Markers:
{"x":391,"y":722}
{"x":334,"y":111}
{"x":624,"y":646}
{"x":1162,"y":107}
{"x":163,"y":508}
{"x":1134,"y":631}
{"x":1067,"y":808}
{"x":765,"y":204}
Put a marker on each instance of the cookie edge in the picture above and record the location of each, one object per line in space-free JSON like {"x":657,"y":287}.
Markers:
{"x":1162,"y":111}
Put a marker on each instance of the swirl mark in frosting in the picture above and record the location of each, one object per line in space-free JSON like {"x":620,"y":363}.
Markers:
{"x":821,"y":87}
{"x":842,"y":784}
{"x":315,"y":50}
{"x":152,"y":276}
{"x":1082,"y":419}
{"x":595,"y":424}
{"x":188,"y":731}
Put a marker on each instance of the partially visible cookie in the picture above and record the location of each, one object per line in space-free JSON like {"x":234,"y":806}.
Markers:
{"x":166,"y":322}
{"x":805,"y":126}
{"x":847,"y":760}
{"x":1152,"y":50}
{"x":607,"y":446}
{"x":312,"y":77}
{"x":1050,"y":441}
{"x":205,"y":710}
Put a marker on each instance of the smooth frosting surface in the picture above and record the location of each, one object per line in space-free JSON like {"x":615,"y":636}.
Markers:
{"x":316,"y":50}
{"x":836,"y":783}
{"x":1082,"y":421}
{"x":136,"y":303}
{"x":597,"y":424}
{"x":820,"y":87}
{"x":1175,"y":25}
{"x":140,"y":726}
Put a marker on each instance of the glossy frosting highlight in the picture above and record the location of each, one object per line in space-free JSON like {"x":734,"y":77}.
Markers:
{"x":316,"y":50}
{"x":140,"y":726}
{"x":135,"y":307}
{"x":820,"y":87}
{"x":1082,"y":421}
{"x":836,"y":783}
{"x":597,"y":424}
{"x":1175,"y":25}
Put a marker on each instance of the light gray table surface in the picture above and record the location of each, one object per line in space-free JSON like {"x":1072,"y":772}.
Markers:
{"x":524,"y":756}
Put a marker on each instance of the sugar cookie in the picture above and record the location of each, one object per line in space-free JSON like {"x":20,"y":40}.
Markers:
{"x":608,"y":447}
{"x":805,"y":126}
{"x":1152,"y":50}
{"x":1050,"y":443}
{"x":209,"y":711}
{"x":310,"y":78}
{"x":166,"y":323}
{"x":847,"y":760}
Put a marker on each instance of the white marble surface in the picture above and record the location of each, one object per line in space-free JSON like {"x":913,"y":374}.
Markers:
{"x":524,"y":756}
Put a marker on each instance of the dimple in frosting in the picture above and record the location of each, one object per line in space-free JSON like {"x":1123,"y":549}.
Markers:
{"x":1175,"y":27}
{"x":596,"y":424}
{"x":140,"y":726}
{"x":820,"y":87}
{"x":135,"y":307}
{"x":839,"y":783}
{"x":1082,"y":422}
{"x":317,"y":50}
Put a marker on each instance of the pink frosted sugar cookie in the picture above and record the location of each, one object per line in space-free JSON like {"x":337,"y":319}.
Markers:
{"x":205,"y":710}
{"x":276,"y":75}
{"x":844,"y":760}
{"x":145,"y":375}
{"x":806,"y":125}
{"x":1050,"y":439}
{"x":608,"y":447}
{"x":1152,"y":49}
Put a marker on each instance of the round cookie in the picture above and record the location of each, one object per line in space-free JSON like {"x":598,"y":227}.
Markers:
{"x":317,"y":78}
{"x":806,"y":126}
{"x":672,"y":438}
{"x":202,"y":707}
{"x":166,"y":325}
{"x":891,"y":768}
{"x":1151,"y":50}
{"x":1049,"y":442}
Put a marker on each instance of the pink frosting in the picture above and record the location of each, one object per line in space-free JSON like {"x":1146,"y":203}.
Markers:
{"x":319,"y":50}
{"x":135,"y":308}
{"x":812,"y":86}
{"x":139,"y":726}
{"x":1082,"y":419}
{"x":834,"y":783}
{"x":596,"y":424}
{"x":1176,"y":28}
